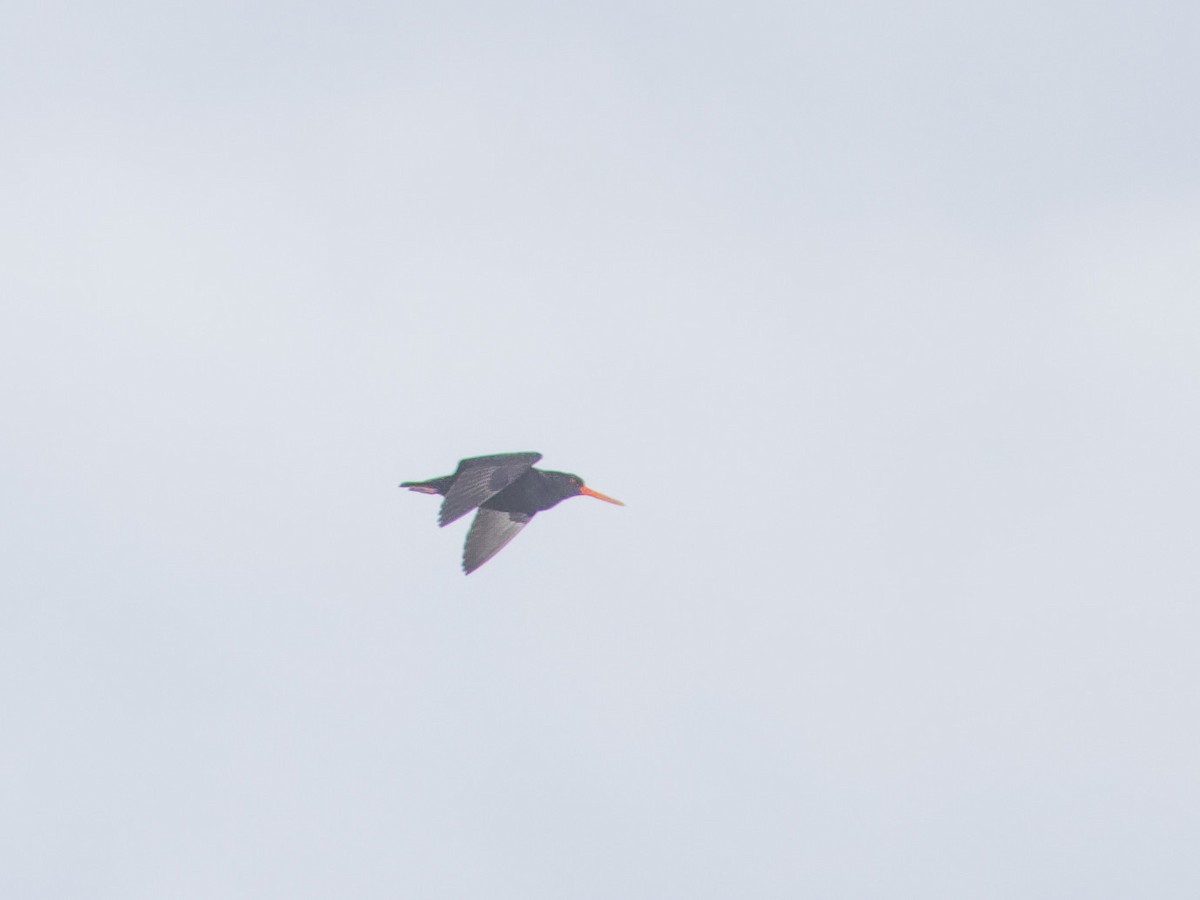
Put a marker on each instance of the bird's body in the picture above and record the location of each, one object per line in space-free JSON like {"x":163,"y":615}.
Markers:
{"x":507,"y":490}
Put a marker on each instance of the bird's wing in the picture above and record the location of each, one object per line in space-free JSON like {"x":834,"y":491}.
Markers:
{"x":479,"y":479}
{"x":490,"y":531}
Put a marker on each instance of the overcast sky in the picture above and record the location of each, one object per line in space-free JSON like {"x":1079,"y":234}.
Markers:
{"x":883,"y":319}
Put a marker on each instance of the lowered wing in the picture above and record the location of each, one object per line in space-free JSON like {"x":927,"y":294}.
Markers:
{"x":489,"y":533}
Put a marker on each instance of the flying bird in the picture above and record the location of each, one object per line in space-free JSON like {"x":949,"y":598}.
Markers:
{"x":507,"y":490}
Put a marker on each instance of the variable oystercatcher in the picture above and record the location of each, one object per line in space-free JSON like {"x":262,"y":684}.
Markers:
{"x":507,"y":490}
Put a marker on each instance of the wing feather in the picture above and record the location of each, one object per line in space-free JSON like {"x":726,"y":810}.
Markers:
{"x":479,"y":479}
{"x":490,"y":532}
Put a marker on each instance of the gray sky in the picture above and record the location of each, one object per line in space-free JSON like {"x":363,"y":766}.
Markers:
{"x":882,"y":319}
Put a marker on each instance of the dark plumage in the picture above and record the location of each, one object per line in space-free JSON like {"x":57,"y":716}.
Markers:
{"x":507,"y":490}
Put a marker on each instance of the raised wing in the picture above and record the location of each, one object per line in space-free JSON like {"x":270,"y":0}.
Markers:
{"x":479,"y":479}
{"x":489,"y":533}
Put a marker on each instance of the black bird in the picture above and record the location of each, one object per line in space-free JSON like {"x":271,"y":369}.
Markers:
{"x":507,"y":490}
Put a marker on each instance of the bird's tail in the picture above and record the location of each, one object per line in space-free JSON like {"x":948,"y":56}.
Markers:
{"x":433,"y":486}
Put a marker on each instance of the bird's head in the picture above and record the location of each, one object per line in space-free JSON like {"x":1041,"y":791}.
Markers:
{"x":572,"y":485}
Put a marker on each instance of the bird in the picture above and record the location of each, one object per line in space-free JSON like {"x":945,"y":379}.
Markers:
{"x":507,"y":490}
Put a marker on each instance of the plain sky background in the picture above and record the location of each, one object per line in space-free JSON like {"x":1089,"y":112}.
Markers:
{"x":883,"y":319}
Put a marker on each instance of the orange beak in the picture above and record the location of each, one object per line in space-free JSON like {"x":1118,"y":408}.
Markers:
{"x":584,"y":489}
